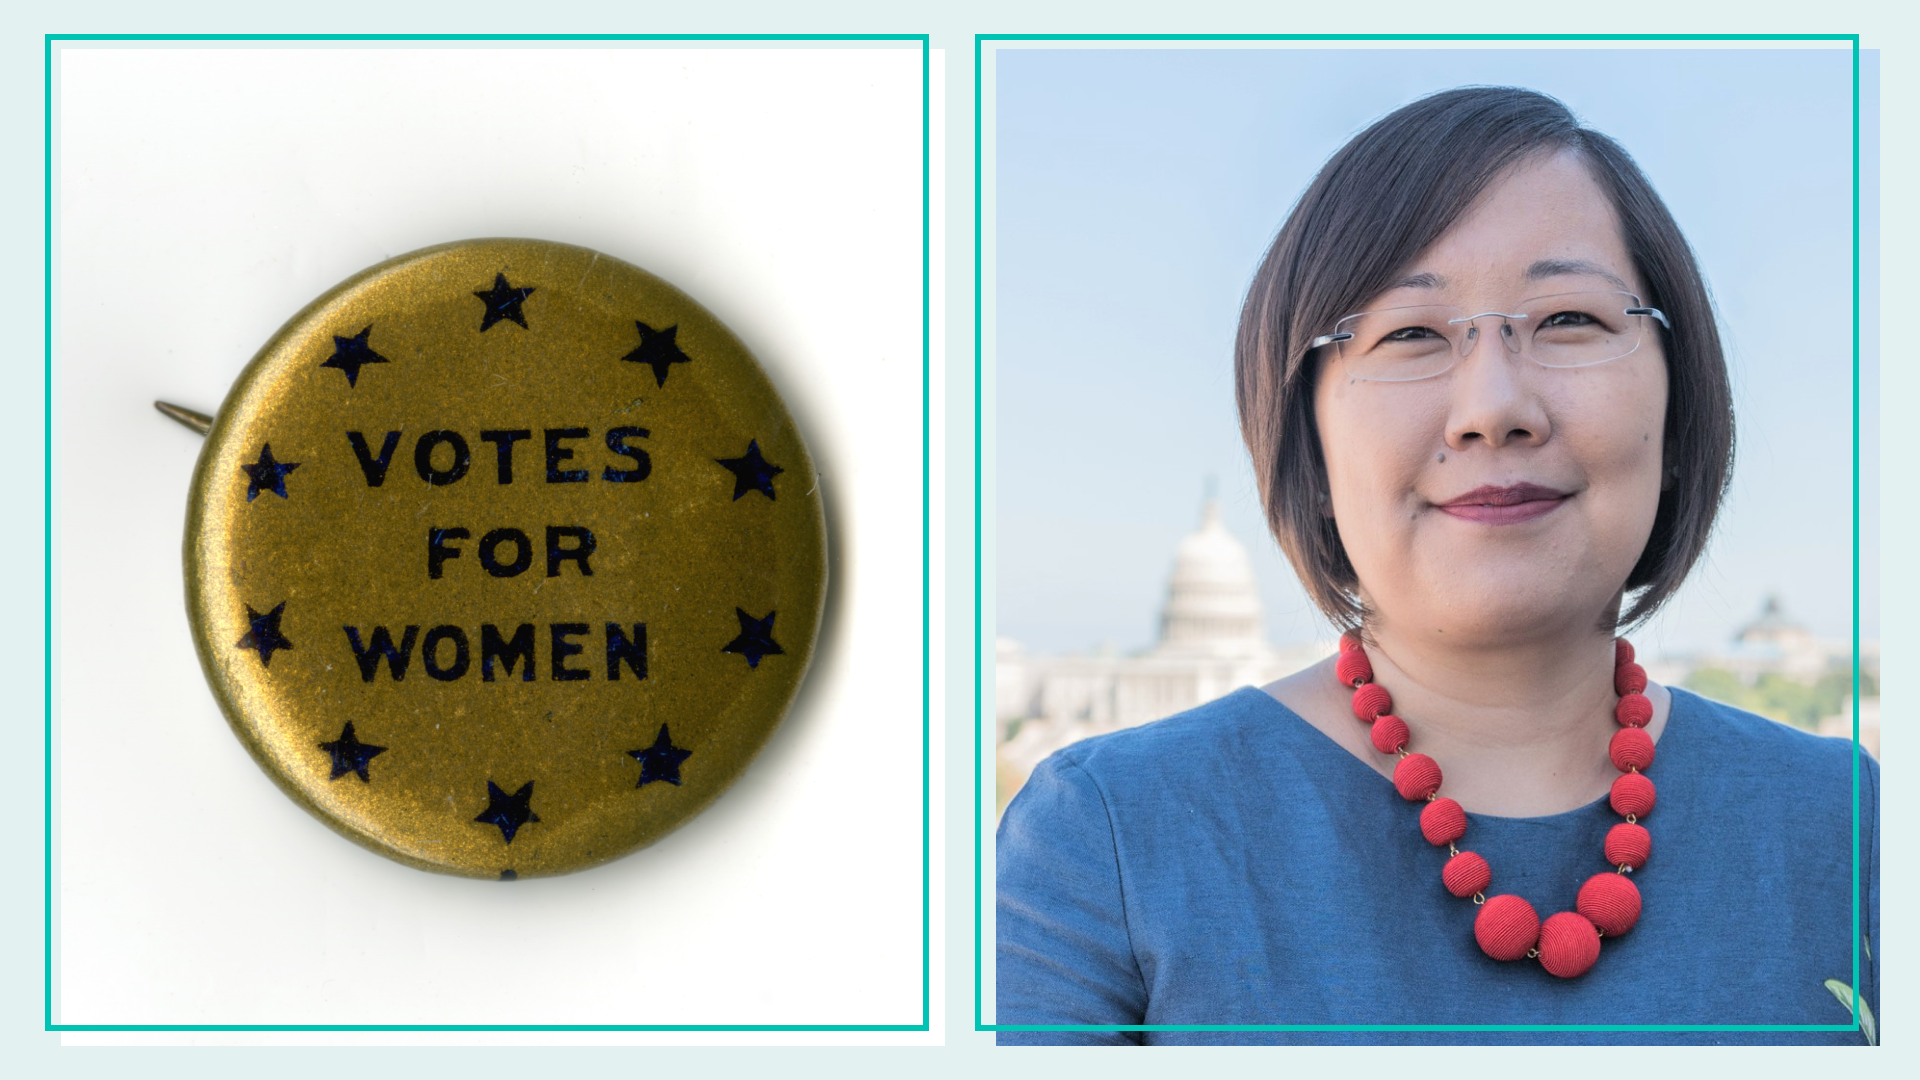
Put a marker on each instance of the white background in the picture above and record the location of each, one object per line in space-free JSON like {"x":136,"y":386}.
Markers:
{"x":204,"y":196}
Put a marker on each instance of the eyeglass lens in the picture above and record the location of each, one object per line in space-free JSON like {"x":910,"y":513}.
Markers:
{"x":1561,"y":331}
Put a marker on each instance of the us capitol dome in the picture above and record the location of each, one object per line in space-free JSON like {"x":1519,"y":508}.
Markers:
{"x":1210,"y":643}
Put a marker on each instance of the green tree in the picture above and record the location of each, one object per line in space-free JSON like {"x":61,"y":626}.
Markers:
{"x":1719,"y":684}
{"x":1773,"y":695}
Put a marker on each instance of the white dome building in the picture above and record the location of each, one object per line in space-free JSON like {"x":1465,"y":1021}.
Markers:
{"x":1211,"y":643}
{"x":1213,"y":603}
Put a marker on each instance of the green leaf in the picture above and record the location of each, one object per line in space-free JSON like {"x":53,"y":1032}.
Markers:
{"x":1845,"y":994}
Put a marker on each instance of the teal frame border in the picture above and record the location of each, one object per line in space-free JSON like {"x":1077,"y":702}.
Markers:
{"x":979,"y":943}
{"x":926,"y":504}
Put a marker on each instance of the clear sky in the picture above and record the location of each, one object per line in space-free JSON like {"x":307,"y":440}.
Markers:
{"x":1133,"y":192}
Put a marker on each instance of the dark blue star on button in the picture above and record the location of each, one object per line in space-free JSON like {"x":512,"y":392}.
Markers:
{"x":508,"y":811}
{"x":756,"y":638}
{"x":263,"y":633}
{"x":352,"y":353}
{"x":657,"y":350}
{"x":751,"y":472}
{"x":350,"y":755}
{"x":661,"y":761}
{"x":503,"y":302}
{"x":268,"y":474}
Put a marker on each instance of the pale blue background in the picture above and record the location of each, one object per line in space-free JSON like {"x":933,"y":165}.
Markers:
{"x":1137,"y":189}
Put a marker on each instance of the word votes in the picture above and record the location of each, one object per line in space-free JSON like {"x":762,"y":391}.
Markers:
{"x":440,"y":467}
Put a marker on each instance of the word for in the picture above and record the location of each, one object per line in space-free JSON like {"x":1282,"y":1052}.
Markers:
{"x":459,"y":455}
{"x":439,"y":551}
{"x":624,"y":647}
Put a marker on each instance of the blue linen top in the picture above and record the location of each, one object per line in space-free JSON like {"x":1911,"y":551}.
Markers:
{"x":1232,"y":866}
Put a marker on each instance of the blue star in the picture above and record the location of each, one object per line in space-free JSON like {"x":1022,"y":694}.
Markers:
{"x":657,"y":350}
{"x":268,"y":474}
{"x":350,"y":755}
{"x":751,"y":472}
{"x":755,"y":640}
{"x":508,"y":811}
{"x":661,"y":761}
{"x":503,"y":302}
{"x":350,"y":353}
{"x":263,"y":633}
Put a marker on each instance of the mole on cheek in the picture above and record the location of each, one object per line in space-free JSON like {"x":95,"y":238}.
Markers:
{"x":1440,"y":457}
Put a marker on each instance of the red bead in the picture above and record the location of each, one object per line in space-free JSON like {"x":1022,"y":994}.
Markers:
{"x":1466,"y":874}
{"x":1631,"y":749}
{"x":1350,"y":641}
{"x":1610,"y":902}
{"x":1628,"y":845}
{"x":1416,"y":776}
{"x":1389,"y":734}
{"x":1371,"y":700}
{"x":1353,"y":668}
{"x":1568,"y":945}
{"x":1632,"y":794}
{"x":1634,"y":710}
{"x":1629,"y":679}
{"x":1443,"y":822}
{"x":1622,"y":652}
{"x":1507,"y":927}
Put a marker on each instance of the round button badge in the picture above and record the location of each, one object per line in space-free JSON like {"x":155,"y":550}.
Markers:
{"x":503,"y":558}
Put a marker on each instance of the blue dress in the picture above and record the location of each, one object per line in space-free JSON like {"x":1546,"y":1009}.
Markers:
{"x":1234,"y":866}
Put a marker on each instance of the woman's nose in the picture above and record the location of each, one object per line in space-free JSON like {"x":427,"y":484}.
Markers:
{"x":1494,"y":399}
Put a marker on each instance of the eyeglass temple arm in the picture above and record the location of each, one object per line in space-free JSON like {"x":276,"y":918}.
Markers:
{"x":1652,"y":311}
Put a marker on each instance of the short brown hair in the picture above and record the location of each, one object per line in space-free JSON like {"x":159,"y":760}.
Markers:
{"x":1390,"y":194}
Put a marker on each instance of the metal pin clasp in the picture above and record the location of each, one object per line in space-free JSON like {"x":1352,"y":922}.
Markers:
{"x":198,"y":421}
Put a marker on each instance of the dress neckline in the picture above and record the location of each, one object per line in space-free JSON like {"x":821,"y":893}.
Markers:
{"x":1312,"y":740}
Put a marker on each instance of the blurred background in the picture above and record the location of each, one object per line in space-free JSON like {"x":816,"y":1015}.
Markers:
{"x":1131,"y":193}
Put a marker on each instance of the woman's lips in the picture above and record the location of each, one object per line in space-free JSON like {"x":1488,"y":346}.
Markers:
{"x":1504,"y":505}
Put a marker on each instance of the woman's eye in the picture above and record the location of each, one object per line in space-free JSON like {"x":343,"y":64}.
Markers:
{"x":1412,"y":333}
{"x":1569,"y":318}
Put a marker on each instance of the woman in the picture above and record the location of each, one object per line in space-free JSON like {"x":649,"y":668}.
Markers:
{"x":1489,"y":417}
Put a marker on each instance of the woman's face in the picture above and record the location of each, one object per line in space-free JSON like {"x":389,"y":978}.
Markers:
{"x":1418,"y":471}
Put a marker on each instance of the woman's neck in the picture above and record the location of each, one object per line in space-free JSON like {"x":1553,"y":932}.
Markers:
{"x":1519,"y":731}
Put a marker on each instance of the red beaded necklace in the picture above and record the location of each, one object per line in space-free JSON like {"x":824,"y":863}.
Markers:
{"x":1507,"y":928}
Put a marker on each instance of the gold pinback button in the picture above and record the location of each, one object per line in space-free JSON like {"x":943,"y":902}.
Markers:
{"x":503,"y":558}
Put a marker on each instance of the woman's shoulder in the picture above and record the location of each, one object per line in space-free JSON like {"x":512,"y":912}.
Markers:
{"x":1739,"y":760}
{"x":1246,"y":729}
{"x":1750,"y":742}
{"x":1215,"y":767}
